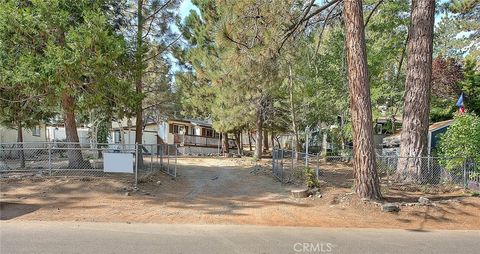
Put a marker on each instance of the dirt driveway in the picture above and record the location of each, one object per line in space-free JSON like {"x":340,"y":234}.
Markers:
{"x":222,"y":191}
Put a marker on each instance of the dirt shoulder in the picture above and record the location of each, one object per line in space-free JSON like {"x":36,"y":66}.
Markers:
{"x":226,"y":191}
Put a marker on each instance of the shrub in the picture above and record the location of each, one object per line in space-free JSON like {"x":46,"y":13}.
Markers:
{"x":310,"y":178}
{"x":461,"y":141}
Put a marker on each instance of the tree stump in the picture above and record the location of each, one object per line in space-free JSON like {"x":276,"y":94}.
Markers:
{"x":300,"y":193}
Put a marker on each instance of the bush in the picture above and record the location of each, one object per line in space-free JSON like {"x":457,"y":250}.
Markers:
{"x":461,"y":141}
{"x":310,"y":178}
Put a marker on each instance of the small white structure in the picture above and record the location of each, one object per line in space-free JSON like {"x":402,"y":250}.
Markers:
{"x":118,"y":162}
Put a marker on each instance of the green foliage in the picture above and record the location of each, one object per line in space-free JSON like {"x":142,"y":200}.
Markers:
{"x":229,"y":74}
{"x":386,"y":35}
{"x":23,"y":96}
{"x":320,"y":93}
{"x":467,"y":15}
{"x":55,"y":47}
{"x":310,"y":178}
{"x":471,"y":86}
{"x":84,"y":57}
{"x":103,"y":133}
{"x":461,"y":141}
{"x":441,"y":109}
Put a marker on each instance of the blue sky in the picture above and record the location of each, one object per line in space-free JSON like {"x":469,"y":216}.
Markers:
{"x":185,"y":8}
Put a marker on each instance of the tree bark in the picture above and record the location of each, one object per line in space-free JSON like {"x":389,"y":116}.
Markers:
{"x":74,"y":154}
{"x":225,"y":149}
{"x":259,"y":138}
{"x":416,"y":107}
{"x":21,"y":152}
{"x":238,"y":143}
{"x":265,"y":141}
{"x":366,"y":179}
{"x":241,"y":142}
{"x":250,"y":141}
{"x":272,"y":139}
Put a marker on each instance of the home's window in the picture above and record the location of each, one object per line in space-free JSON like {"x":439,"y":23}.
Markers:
{"x":178,"y":129}
{"x":117,"y":137}
{"x":209,"y":133}
{"x":36,"y":131}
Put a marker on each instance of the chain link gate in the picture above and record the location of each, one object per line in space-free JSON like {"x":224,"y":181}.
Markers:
{"x":80,"y":160}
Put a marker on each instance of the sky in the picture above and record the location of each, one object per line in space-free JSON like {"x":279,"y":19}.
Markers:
{"x":185,"y":8}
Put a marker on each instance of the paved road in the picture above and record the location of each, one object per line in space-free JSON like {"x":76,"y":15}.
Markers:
{"x":72,"y":237}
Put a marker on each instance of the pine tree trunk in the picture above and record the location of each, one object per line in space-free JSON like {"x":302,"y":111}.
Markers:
{"x":365,"y":173}
{"x":265,"y":141}
{"x":238,"y":143}
{"x":272,"y":140}
{"x":416,"y":107}
{"x":21,"y":152}
{"x":225,"y":145}
{"x":74,"y":154}
{"x":259,"y":138}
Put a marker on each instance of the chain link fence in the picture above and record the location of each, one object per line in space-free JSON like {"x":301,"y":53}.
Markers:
{"x":391,"y":169}
{"x":426,"y":170}
{"x":70,"y":159}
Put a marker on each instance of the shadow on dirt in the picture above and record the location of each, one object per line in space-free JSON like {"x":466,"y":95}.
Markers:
{"x":10,"y":211}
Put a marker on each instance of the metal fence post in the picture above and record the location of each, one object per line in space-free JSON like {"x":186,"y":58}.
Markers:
{"x":465,"y":173}
{"x":136,"y":164}
{"x":158,"y":166}
{"x":281,"y":163}
{"x":318,"y":166}
{"x":168,"y":158}
{"x":49,"y":159}
{"x":161,"y":155}
{"x":293,"y":158}
{"x":176,"y":155}
{"x":273,"y":160}
{"x":151,"y":158}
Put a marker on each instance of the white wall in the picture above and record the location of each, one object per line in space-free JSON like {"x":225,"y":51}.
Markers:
{"x":59,"y":134}
{"x":149,"y":137}
{"x":8,"y":135}
{"x":163,"y":131}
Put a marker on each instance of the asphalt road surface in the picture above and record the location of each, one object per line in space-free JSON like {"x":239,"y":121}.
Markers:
{"x":73,"y":237}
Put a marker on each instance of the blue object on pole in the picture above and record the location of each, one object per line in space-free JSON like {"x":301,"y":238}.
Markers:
{"x":460,"y":101}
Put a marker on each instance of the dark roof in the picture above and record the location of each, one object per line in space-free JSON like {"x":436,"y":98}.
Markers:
{"x":395,"y":138}
{"x":440,"y":125}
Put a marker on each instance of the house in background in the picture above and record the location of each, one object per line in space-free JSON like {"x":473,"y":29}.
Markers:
{"x":391,"y":144}
{"x":191,"y":136}
{"x":43,"y":133}
{"x":57,"y":133}
{"x":35,"y":134}
{"x":123,"y":132}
